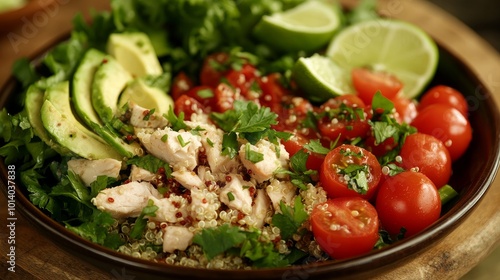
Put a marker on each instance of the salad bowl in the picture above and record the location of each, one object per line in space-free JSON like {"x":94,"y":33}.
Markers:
{"x":473,"y":175}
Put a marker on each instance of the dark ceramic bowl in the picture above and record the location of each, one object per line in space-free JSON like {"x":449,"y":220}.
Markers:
{"x":473,"y":174}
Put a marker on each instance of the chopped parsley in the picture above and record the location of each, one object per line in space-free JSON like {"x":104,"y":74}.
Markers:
{"x":141,"y":221}
{"x":252,"y":155}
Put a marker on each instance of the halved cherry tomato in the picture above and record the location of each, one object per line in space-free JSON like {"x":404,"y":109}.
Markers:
{"x":180,"y":85}
{"x":203,"y":94}
{"x":272,"y":91}
{"x":429,"y":155}
{"x":224,"y":97}
{"x":345,"y":227}
{"x":446,"y":95}
{"x":408,"y":200}
{"x":350,"y":171}
{"x":296,"y":143}
{"x":346,"y":118}
{"x":406,"y":109}
{"x":368,"y":82}
{"x":380,"y":149}
{"x":213,"y":69}
{"x":188,"y":106}
{"x":446,"y":124}
{"x":245,"y":80}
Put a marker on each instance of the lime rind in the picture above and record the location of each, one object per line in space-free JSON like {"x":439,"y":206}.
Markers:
{"x":394,"y":46}
{"x":320,"y":78}
{"x":307,"y":27}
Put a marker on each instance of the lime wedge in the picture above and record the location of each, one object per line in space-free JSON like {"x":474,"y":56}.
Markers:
{"x":308,"y":26}
{"x":320,"y":78}
{"x":393,"y":46}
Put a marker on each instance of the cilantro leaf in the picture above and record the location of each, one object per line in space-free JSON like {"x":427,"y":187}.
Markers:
{"x":230,"y":144}
{"x":290,"y":219}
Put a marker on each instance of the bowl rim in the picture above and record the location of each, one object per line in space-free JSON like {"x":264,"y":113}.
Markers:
{"x":364,"y":263}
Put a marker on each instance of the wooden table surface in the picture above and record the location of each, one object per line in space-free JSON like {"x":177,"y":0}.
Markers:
{"x":39,"y":258}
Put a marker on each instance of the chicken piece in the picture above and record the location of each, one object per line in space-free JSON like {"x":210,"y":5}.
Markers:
{"x":211,"y":139}
{"x":142,"y":117}
{"x":188,"y":179}
{"x":236,"y":195}
{"x":281,"y":191}
{"x":176,"y":238}
{"x":126,"y":200}
{"x":141,"y":174}
{"x":89,"y":170}
{"x":260,"y":208}
{"x":178,"y":148}
{"x":172,"y":209}
{"x":264,"y":169}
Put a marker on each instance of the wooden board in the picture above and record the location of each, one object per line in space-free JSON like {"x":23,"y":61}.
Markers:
{"x":39,"y":258}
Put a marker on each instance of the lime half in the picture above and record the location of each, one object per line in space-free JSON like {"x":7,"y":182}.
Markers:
{"x":393,"y":46}
{"x":320,"y":78}
{"x":308,"y":26}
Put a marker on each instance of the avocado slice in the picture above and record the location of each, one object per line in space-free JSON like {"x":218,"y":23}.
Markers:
{"x":34,"y":101}
{"x":135,"y":52}
{"x":60,"y":122}
{"x":109,"y":81}
{"x":82,"y":101}
{"x":82,"y":86}
{"x":146,"y":96}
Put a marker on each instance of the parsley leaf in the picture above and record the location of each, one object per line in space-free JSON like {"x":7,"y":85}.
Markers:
{"x":96,"y":229}
{"x":151,"y":164}
{"x":215,"y":241}
{"x":315,"y":146}
{"x":252,"y":155}
{"x":290,"y":219}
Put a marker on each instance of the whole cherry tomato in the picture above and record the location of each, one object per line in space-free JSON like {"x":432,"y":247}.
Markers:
{"x":407,"y":201}
{"x":446,"y":124}
{"x":429,"y":155}
{"x":446,"y":95}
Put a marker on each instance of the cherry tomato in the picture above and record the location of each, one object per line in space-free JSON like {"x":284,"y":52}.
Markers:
{"x":368,"y":82}
{"x":407,"y":200}
{"x":345,"y":227}
{"x":444,"y":95}
{"x":380,"y":149}
{"x":296,"y":143}
{"x":213,"y":69}
{"x":180,"y":85}
{"x":406,"y":109}
{"x":224,"y":97}
{"x":188,"y":106}
{"x":429,"y":155}
{"x":245,"y":80}
{"x":272,"y":90}
{"x":350,"y":171}
{"x":446,"y":124}
{"x":346,"y":118}
{"x":203,"y":94}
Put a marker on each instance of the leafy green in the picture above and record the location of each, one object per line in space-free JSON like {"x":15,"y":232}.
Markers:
{"x":247,"y":244}
{"x":141,"y":221}
{"x":96,"y":229}
{"x":215,"y":241}
{"x":290,"y":219}
{"x":150,"y":163}
{"x":315,"y":146}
